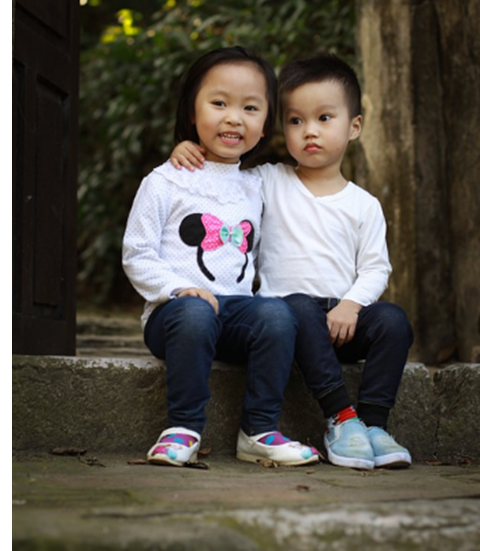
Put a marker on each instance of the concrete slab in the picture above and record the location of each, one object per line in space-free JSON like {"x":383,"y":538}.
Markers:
{"x":112,"y":502}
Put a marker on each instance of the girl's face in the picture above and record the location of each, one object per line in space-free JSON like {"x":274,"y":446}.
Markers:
{"x":231,"y":107}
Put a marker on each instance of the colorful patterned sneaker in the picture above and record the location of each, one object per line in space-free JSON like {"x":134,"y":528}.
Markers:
{"x":348,"y":445}
{"x":387,"y":452}
{"x":274,"y":447}
{"x":175,"y":446}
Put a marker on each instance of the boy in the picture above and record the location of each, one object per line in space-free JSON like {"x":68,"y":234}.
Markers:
{"x":323,"y":249}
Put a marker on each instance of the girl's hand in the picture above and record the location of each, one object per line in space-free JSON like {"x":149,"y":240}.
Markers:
{"x":342,"y":322}
{"x":201,"y":293}
{"x":188,"y":155}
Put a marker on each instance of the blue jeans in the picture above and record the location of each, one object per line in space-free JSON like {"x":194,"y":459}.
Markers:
{"x":188,"y":335}
{"x":382,"y":338}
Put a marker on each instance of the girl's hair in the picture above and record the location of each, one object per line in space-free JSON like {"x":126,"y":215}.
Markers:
{"x":184,"y":127}
{"x":320,"y":68}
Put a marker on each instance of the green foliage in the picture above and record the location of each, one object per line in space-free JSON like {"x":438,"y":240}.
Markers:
{"x":129,"y":77}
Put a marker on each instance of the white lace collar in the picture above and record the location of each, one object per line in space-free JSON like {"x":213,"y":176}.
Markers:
{"x":226,"y":182}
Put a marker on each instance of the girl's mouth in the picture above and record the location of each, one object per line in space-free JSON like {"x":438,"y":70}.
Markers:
{"x":231,"y":138}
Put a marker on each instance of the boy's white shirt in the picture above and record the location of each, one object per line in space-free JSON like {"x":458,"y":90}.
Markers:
{"x":332,"y":246}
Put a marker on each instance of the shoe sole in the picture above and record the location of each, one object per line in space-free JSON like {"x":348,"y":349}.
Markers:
{"x":393,"y":461}
{"x":242,"y":456}
{"x":170,"y":462}
{"x":352,"y":462}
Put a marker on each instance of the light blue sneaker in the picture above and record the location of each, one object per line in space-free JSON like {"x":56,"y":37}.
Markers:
{"x":348,"y":445}
{"x":387,"y":452}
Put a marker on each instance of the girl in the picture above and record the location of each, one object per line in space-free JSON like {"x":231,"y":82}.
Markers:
{"x":189,"y":250}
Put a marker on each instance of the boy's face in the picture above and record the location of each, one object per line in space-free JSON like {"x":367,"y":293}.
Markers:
{"x":318,"y":125}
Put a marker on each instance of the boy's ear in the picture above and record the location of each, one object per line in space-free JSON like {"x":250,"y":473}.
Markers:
{"x":355,"y":127}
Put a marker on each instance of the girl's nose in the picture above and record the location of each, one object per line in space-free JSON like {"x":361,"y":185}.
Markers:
{"x":233,"y":117}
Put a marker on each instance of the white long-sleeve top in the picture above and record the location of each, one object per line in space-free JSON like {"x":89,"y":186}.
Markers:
{"x":332,"y":246}
{"x":197,"y":229}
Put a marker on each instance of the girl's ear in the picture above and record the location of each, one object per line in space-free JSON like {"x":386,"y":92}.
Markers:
{"x":355,"y":127}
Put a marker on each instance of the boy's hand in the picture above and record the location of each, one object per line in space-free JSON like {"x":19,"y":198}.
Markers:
{"x":200,"y":293}
{"x":188,"y":155}
{"x":342,"y":322}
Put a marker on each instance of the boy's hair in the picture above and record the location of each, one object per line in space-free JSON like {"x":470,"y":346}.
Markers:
{"x":319,"y":68}
{"x":185,"y":128}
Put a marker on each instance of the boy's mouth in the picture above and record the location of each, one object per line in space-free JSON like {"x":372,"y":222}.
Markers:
{"x":312,"y":147}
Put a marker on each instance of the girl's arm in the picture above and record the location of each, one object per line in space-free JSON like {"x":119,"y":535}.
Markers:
{"x":152,"y":276}
{"x":201,"y":293}
{"x":188,"y":155}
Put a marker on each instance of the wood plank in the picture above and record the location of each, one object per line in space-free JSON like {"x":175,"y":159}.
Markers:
{"x":45,"y":120}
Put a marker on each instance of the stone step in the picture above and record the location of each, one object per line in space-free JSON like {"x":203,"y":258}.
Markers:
{"x":111,"y":346}
{"x":119,"y":405}
{"x":110,"y":337}
{"x":103,"y":324}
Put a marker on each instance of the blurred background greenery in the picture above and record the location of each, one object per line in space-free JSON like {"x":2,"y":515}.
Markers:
{"x":133,"y":54}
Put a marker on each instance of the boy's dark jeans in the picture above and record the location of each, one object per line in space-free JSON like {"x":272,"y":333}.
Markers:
{"x":382,"y":338}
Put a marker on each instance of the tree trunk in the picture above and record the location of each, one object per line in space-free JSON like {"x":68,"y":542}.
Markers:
{"x":420,"y":71}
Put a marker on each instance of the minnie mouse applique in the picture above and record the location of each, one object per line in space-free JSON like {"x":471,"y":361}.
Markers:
{"x":208,"y":233}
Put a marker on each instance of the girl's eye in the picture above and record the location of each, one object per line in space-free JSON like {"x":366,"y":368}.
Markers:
{"x":324,"y":118}
{"x":295,"y":120}
{"x":251,"y":108}
{"x":218,"y":103}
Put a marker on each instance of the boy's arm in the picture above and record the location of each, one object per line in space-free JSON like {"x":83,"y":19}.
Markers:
{"x":342,"y":322}
{"x":373,"y":269}
{"x":190,"y":155}
{"x":187,"y":154}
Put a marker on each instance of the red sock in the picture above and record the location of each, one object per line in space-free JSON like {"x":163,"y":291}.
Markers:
{"x":345,"y":414}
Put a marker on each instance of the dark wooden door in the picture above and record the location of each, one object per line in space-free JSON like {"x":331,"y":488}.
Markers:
{"x":44,"y":120}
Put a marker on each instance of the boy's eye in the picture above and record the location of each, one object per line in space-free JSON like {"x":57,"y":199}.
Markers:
{"x":324,"y":118}
{"x":295,"y":120}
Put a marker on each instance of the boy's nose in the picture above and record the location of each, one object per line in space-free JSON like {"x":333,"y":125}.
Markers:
{"x":311,"y":129}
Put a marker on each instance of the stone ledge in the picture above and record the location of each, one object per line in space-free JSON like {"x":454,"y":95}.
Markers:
{"x":457,"y":410}
{"x":118,"y":404}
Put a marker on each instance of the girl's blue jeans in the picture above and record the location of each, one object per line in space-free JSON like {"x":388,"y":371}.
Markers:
{"x":188,"y":334}
{"x":382,"y":338}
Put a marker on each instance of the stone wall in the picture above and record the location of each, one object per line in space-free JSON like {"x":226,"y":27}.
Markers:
{"x":420,"y":70}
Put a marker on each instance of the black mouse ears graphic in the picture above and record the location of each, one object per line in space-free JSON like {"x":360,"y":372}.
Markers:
{"x":208,"y":233}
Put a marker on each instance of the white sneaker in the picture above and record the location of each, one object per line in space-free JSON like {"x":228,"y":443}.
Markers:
{"x":274,"y":447}
{"x":175,"y":446}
